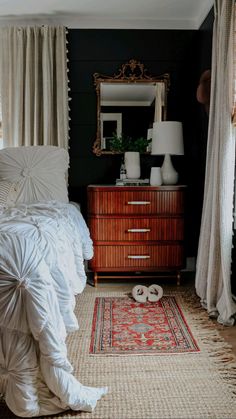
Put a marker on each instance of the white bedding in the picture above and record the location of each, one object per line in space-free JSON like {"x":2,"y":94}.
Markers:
{"x":43,"y":247}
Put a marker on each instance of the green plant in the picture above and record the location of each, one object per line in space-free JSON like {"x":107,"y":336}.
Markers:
{"x":125,"y":143}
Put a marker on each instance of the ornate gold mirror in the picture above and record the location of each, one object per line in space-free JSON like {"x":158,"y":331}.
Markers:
{"x":127,"y":104}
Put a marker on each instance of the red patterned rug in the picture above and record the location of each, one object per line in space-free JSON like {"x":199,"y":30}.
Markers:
{"x":123,"y":326}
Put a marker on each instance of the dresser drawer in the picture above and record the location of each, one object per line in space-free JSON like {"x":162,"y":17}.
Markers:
{"x":136,"y":229}
{"x":131,"y":202}
{"x":137,"y":257}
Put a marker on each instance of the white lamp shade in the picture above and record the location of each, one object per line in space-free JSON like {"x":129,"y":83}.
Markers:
{"x":167,"y":138}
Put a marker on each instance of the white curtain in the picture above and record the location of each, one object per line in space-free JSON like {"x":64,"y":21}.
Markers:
{"x":215,"y":244}
{"x":159,"y":101}
{"x":34,"y":85}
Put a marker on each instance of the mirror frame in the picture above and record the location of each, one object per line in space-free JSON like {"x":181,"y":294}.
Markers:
{"x":131,"y":72}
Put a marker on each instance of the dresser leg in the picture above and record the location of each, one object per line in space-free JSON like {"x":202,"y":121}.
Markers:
{"x":178,"y":278}
{"x":95,"y":279}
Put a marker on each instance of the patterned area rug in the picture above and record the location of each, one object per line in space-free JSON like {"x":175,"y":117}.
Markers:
{"x":191,"y":385}
{"x":122,"y":326}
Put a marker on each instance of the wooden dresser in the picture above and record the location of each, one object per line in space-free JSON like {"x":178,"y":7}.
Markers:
{"x":137,"y":229}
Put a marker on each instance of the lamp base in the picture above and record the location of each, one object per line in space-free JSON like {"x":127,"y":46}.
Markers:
{"x":169,"y":174}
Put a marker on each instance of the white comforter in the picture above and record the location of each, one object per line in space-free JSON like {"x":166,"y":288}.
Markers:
{"x":42,"y":252}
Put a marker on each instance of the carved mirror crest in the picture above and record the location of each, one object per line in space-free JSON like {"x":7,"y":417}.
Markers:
{"x":128,"y":103}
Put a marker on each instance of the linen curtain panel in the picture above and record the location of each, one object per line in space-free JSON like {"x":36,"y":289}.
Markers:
{"x":34,"y":86}
{"x":213,"y":272}
{"x":159,"y":102}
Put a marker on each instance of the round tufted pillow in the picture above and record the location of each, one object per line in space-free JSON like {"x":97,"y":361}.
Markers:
{"x":38,"y":173}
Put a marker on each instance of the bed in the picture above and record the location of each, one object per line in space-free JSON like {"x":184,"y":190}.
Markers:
{"x":44,"y":242}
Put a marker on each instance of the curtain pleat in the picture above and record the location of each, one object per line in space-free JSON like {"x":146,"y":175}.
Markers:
{"x":34,"y":85}
{"x":234,"y":70}
{"x":213,"y":274}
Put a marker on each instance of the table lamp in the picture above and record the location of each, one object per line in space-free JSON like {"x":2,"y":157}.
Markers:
{"x":167,"y":140}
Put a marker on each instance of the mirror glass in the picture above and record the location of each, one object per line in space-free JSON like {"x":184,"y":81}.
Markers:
{"x":127,"y":104}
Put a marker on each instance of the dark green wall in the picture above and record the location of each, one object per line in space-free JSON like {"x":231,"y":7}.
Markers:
{"x":104,"y":51}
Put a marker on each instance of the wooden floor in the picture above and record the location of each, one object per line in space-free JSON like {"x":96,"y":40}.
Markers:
{"x":227,"y":332}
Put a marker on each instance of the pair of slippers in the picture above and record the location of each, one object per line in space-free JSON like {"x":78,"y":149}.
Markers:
{"x":141,"y":294}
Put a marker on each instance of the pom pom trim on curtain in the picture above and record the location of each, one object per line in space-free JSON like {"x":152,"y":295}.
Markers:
{"x":34,"y":85}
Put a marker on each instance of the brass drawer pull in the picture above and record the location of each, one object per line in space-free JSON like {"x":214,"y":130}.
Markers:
{"x":138,"y":257}
{"x":139,"y":230}
{"x":139,"y":202}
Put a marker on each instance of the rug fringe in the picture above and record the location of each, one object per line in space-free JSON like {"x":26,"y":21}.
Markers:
{"x":218,"y":349}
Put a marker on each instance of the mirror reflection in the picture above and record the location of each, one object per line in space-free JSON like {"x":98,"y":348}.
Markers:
{"x":127,"y":105}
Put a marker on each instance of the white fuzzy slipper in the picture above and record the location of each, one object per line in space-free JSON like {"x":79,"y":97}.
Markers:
{"x":155,"y":292}
{"x":140,"y":293}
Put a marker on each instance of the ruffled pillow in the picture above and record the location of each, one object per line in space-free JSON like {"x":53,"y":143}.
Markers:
{"x":37,"y":172}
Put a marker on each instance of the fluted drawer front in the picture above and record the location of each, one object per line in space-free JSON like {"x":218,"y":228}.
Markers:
{"x":136,"y":202}
{"x":137,"y":256}
{"x":132,"y":229}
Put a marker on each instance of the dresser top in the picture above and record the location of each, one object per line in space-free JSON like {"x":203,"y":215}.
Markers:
{"x":140,"y":188}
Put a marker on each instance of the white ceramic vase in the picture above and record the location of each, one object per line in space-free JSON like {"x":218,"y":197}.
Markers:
{"x":132,"y":164}
{"x":155,"y":176}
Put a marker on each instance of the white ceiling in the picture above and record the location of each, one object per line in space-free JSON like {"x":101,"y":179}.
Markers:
{"x":127,"y":94}
{"x":123,"y":14}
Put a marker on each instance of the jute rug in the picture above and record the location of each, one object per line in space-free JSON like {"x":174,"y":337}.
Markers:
{"x":123,"y":326}
{"x":187,"y":385}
